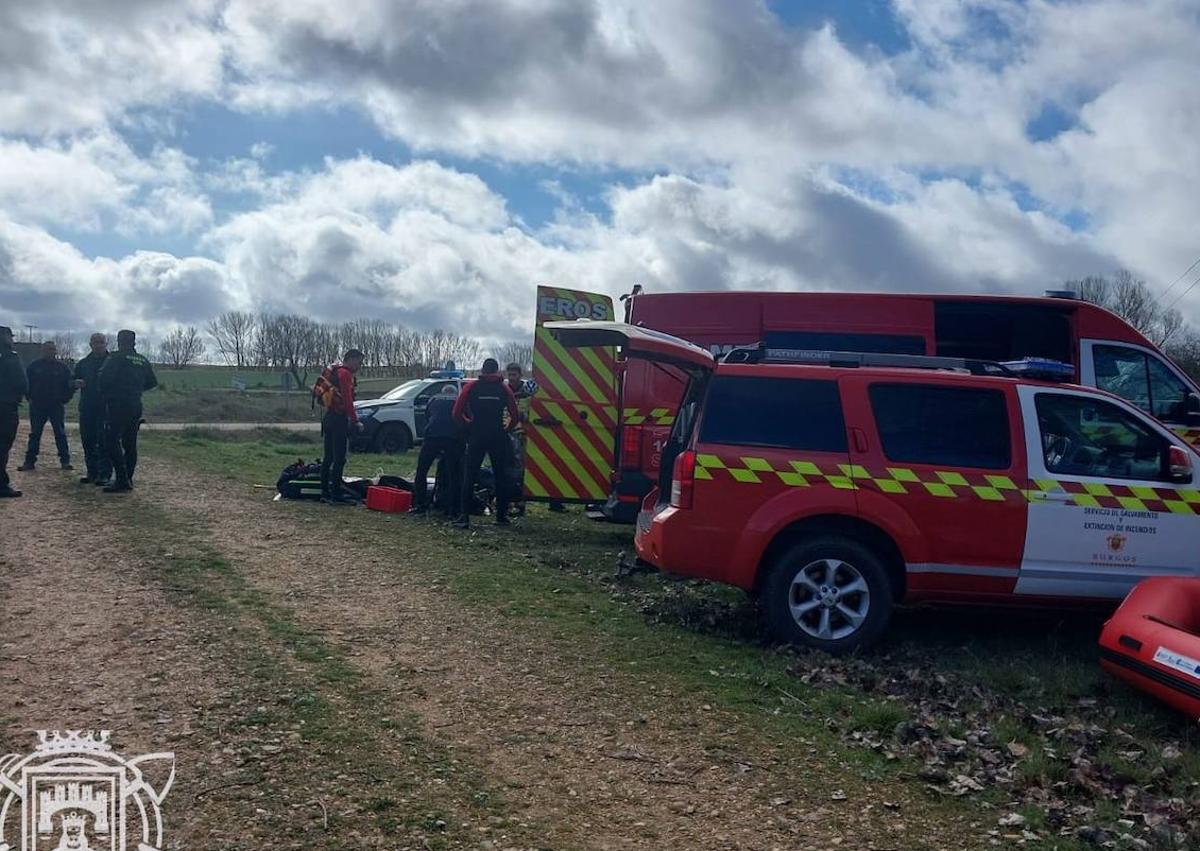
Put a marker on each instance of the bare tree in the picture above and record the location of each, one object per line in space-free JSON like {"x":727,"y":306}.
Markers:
{"x":233,"y":335}
{"x":181,"y":347}
{"x":1133,"y":301}
{"x":465,"y":351}
{"x":67,"y":344}
{"x":1184,"y":349}
{"x":1169,"y":324}
{"x":516,"y":351}
{"x":300,"y":345}
{"x":1093,"y":288}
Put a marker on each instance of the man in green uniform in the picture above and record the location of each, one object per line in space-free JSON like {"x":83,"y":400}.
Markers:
{"x":123,"y":378}
{"x":12,"y":391}
{"x":91,"y":412}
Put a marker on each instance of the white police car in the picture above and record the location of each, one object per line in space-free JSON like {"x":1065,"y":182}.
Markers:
{"x":396,"y":420}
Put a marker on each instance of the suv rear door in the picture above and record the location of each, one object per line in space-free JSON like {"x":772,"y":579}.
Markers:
{"x":655,"y":347}
{"x":940,"y":465}
{"x":573,"y":415}
{"x":1104,"y":511}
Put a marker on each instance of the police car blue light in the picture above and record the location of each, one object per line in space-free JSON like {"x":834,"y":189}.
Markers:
{"x":1040,"y":369}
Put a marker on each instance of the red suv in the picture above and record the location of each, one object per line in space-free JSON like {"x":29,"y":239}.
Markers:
{"x":833,"y":486}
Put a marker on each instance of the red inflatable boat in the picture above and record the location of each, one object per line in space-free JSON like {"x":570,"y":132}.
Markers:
{"x":1153,"y":641}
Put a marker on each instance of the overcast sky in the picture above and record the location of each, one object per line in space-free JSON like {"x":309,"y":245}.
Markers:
{"x":432,"y":161}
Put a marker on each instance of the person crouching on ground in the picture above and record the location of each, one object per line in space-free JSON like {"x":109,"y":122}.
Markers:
{"x":91,"y":412}
{"x":442,"y":443}
{"x":124,"y":376}
{"x":50,"y":388}
{"x":480,"y":408}
{"x":340,"y":417}
{"x":13,"y":385}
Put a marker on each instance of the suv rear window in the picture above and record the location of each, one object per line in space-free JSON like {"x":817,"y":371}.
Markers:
{"x":949,"y":426}
{"x":788,"y":413}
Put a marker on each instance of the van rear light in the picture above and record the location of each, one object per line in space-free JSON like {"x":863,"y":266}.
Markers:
{"x":683,"y":480}
{"x":631,"y":447}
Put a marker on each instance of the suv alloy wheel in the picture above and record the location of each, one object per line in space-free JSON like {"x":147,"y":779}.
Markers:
{"x":829,"y":593}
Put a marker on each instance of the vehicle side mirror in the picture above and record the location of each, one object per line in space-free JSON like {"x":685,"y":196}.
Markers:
{"x":1179,"y":465}
{"x":1191,"y":407}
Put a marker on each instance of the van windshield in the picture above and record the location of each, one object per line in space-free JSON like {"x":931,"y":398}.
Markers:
{"x":1143,"y":380}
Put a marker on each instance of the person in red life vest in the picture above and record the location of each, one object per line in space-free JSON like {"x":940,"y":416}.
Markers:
{"x":480,"y":408}
{"x":339,"y":419}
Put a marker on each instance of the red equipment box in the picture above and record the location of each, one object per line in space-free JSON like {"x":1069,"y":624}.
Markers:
{"x":388,"y":500}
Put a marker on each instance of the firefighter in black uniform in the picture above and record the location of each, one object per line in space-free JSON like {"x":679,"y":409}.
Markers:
{"x":480,"y":408}
{"x":91,"y":412}
{"x":12,"y":390}
{"x":123,"y":378}
{"x":442,"y":442}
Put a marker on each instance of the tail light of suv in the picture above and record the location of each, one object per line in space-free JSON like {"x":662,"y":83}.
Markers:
{"x":683,"y":480}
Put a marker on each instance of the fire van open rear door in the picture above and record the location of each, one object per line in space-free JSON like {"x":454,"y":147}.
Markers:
{"x":573,"y":415}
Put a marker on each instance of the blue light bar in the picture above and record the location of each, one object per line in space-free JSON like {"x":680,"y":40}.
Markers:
{"x":1041,"y":369}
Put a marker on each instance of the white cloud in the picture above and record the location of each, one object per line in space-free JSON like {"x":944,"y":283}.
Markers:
{"x":429,"y":246}
{"x":95,"y":182}
{"x":785,"y":159}
{"x":49,"y":283}
{"x":73,"y":65}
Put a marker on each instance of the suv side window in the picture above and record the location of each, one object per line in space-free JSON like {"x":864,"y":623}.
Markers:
{"x":1142,"y":379}
{"x":1082,"y":436}
{"x":788,"y":413}
{"x":949,"y":426}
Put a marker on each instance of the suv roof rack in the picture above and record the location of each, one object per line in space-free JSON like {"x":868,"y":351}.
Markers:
{"x":763,"y":354}
{"x":1039,"y":369}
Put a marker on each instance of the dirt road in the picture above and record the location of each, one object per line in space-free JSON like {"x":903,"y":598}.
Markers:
{"x":319,"y":692}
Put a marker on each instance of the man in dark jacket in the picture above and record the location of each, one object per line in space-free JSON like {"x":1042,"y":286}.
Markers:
{"x":13,"y":384}
{"x":91,"y":412}
{"x":123,"y":378}
{"x":50,"y":389}
{"x":480,"y":409}
{"x":336,"y":425}
{"x":442,"y":443}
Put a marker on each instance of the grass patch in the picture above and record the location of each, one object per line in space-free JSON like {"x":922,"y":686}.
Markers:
{"x":298,"y":681}
{"x":1020,"y":677}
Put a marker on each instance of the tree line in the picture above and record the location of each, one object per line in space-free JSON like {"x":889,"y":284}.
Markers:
{"x":1131,"y":298}
{"x":298,"y":345}
{"x":301,"y":345}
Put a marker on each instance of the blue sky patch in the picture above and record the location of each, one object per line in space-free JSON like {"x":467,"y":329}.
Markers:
{"x":860,"y":24}
{"x":1048,"y":123}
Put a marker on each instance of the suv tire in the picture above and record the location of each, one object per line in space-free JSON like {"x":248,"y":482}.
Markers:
{"x":829,"y":593}
{"x":393,"y":438}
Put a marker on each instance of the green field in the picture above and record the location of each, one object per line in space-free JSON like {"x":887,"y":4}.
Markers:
{"x":1002,"y":711}
{"x":207,"y":377}
{"x":205,"y":394}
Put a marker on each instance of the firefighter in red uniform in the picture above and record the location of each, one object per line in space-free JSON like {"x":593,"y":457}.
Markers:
{"x":480,"y":408}
{"x":336,"y":425}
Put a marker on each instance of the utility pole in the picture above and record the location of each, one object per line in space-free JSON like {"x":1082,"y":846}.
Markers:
{"x":29,"y":329}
